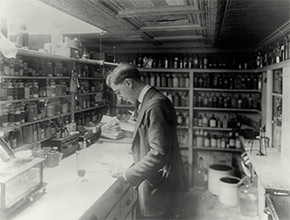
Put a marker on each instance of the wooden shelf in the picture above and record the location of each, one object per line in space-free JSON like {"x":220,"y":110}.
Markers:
{"x":283,"y":64}
{"x":218,"y":149}
{"x":181,"y":108}
{"x":173,"y":88}
{"x":35,"y":122}
{"x":85,"y":94}
{"x":277,"y":95}
{"x":92,"y":108}
{"x":35,"y":77}
{"x":34,"y":99}
{"x":227,"y":109}
{"x":91,"y":78}
{"x":212,"y":129}
{"x":177,"y":70}
{"x":125,"y":106}
{"x":182,"y":126}
{"x":227,"y":90}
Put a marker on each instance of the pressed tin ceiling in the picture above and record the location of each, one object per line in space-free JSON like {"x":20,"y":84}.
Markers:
{"x":143,"y":24}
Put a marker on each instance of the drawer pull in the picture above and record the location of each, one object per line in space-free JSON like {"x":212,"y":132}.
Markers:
{"x":128,"y":202}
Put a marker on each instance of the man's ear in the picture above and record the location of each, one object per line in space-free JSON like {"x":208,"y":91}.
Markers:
{"x":129,"y":83}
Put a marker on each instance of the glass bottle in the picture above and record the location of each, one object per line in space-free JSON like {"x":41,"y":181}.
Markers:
{"x":199,"y":139}
{"x":232,"y":140}
{"x":158,"y":80}
{"x":206,"y":141}
{"x":205,"y":121}
{"x":212,"y":121}
{"x":248,"y":199}
{"x":200,"y":176}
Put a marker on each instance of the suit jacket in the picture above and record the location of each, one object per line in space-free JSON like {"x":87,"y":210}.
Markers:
{"x":157,"y":171}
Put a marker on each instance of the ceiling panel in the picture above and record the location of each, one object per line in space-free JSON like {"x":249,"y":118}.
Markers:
{"x":218,"y":23}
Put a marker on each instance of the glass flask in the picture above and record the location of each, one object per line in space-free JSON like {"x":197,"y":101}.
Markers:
{"x":248,"y":196}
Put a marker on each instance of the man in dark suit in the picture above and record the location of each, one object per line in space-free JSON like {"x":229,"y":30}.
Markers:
{"x":157,"y":172}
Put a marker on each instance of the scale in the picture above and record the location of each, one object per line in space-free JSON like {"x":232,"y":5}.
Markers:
{"x":20,"y":179}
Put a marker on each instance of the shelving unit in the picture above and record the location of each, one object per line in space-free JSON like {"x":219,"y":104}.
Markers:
{"x":29,"y":67}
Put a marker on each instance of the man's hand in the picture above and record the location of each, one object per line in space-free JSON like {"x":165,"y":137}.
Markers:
{"x":117,"y":171}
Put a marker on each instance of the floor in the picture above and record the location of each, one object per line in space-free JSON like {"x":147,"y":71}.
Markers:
{"x":202,"y":205}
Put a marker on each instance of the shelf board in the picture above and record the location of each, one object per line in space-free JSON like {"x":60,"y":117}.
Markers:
{"x":124,"y":106}
{"x":35,"y":77}
{"x":85,"y":94}
{"x":212,"y":129}
{"x":227,"y":90}
{"x":227,"y":109}
{"x":277,"y":95}
{"x":92,"y":108}
{"x":132,"y":106}
{"x":36,"y":121}
{"x":165,"y":70}
{"x":91,"y":78}
{"x":182,"y":127}
{"x":34,"y":53}
{"x":218,"y":149}
{"x":283,"y":64}
{"x":173,"y":88}
{"x":34,"y":99}
{"x":186,"y":70}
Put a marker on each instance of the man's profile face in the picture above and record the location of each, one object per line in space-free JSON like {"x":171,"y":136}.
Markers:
{"x":123,"y":91}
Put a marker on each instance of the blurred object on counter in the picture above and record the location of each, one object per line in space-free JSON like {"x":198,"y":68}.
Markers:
{"x":111,"y":127}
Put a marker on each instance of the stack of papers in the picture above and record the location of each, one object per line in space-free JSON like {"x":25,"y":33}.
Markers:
{"x":111,"y":127}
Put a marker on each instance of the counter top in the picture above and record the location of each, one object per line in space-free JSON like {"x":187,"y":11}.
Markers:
{"x":66,"y":197}
{"x":271,"y":173}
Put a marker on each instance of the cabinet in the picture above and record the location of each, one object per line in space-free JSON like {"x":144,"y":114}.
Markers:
{"x":118,"y":202}
{"x":222,"y":100}
{"x":36,"y":102}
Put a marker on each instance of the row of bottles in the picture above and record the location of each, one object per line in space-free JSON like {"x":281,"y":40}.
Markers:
{"x":274,"y":53}
{"x":171,"y":80}
{"x":217,"y":120}
{"x":57,"y":128}
{"x":212,"y":122}
{"x":228,"y":81}
{"x":227,"y":100}
{"x":182,"y":118}
{"x":22,"y":66}
{"x":217,"y":140}
{"x":202,"y":61}
{"x":92,"y":116}
{"x":87,"y":86}
{"x":84,"y":70}
{"x":15,"y":114}
{"x":179,"y":99}
{"x":29,"y":89}
{"x":88,"y":101}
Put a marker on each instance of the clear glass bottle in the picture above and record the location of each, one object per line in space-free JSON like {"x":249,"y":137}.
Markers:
{"x":200,"y":176}
{"x":248,"y":196}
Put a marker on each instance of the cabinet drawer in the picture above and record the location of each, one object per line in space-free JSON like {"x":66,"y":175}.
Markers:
{"x":115,"y":214}
{"x":126,"y":203}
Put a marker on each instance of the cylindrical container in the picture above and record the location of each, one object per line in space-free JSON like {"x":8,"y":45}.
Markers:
{"x":215,"y":172}
{"x":228,"y":192}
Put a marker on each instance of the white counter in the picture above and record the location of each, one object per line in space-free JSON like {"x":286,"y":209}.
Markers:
{"x":269,"y":169}
{"x":67,"y":198}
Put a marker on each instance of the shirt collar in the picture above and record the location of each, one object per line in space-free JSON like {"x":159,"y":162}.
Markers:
{"x":143,"y":92}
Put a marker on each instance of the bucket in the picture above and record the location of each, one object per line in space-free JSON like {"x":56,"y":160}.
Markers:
{"x":229,"y":190}
{"x":215,"y":172}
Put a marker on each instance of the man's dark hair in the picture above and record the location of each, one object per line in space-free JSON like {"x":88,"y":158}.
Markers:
{"x":122,"y":72}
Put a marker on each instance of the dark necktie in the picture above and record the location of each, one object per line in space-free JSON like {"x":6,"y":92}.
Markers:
{"x":136,"y":111}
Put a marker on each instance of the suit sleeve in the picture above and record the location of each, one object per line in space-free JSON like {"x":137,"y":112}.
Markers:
{"x":159,"y":124}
